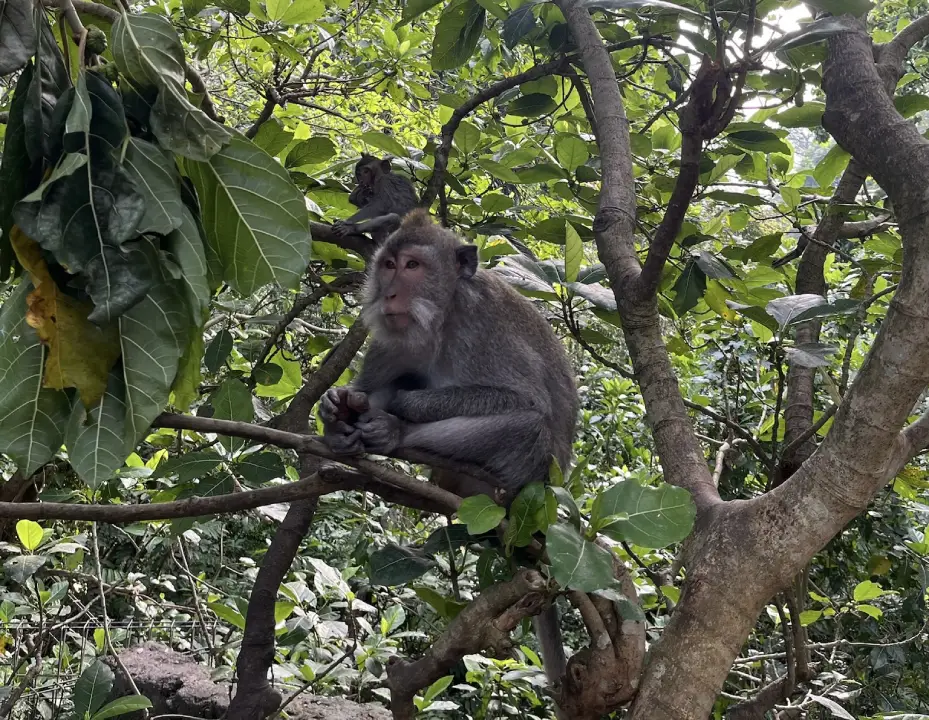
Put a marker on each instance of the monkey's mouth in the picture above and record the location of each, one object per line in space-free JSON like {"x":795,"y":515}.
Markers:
{"x":397,"y":321}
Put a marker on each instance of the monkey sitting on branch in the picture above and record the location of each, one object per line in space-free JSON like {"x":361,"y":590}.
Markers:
{"x":383,"y":197}
{"x":460,"y":367}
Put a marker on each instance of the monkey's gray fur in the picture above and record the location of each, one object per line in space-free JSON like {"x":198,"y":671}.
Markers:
{"x":471,"y":372}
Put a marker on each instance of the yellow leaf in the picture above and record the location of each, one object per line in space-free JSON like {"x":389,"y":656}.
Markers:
{"x":80,"y":354}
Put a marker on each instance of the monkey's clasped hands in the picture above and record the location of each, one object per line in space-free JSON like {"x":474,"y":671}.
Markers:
{"x":352,"y":427}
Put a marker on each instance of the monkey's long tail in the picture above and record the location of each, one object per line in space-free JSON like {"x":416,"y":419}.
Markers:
{"x":548,"y":630}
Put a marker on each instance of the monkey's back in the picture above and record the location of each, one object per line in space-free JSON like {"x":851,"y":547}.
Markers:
{"x":516,"y":349}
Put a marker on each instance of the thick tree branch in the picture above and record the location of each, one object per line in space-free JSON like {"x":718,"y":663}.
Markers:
{"x":359,"y":244}
{"x":484,"y":624}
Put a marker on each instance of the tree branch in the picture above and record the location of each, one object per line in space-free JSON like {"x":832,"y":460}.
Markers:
{"x":485,"y":623}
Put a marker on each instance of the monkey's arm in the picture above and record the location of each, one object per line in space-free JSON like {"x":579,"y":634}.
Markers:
{"x":424,"y":406}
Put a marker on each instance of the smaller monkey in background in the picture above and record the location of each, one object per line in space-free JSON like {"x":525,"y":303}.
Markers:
{"x":383,"y":197}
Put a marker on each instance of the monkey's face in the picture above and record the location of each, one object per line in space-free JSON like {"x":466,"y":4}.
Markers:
{"x":406,"y":294}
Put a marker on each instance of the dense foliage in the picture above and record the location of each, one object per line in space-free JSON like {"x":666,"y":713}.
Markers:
{"x":169,"y":173}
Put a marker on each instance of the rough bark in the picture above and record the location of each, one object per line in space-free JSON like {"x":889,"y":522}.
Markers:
{"x":782,"y":530}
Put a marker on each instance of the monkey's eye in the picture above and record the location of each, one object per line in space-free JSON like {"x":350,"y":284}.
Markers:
{"x":390,"y":264}
{"x":412,"y":264}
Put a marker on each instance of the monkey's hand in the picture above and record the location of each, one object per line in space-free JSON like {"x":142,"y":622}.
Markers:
{"x":344,"y":227}
{"x":380,"y":431}
{"x":342,"y":405}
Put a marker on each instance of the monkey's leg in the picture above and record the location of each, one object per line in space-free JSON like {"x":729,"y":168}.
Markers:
{"x":514,"y":447}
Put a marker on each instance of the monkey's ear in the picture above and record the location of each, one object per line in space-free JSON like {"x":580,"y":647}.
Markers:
{"x":467,"y":260}
{"x":385,"y":165}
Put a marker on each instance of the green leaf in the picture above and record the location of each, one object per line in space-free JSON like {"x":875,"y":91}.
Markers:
{"x":232,"y":401}
{"x":736,"y":198}
{"x":30,"y":534}
{"x":867,"y":590}
{"x":810,"y":355}
{"x":395,"y":565}
{"x":520,"y":23}
{"x":92,"y":688}
{"x":314,"y":151}
{"x":189,"y":467}
{"x":88,"y":209}
{"x":218,"y":350}
{"x":870,"y":611}
{"x":50,"y":83}
{"x":121,"y":706}
{"x":260,"y":468}
{"x":385,"y":142}
{"x":833,"y":707}
{"x":414,"y":8}
{"x":577,"y":563}
{"x":650,"y":517}
{"x":456,"y":34}
{"x":437,"y":688}
{"x":22,"y":567}
{"x":467,"y":138}
{"x":303,"y":12}
{"x":858,"y":8}
{"x":842,"y":306}
{"x":32,"y":418}
{"x":273,"y":137}
{"x":689,"y":287}
{"x":224,"y":612}
{"x":14,"y":169}
{"x":910,"y":105}
{"x":532,"y":105}
{"x":574,"y":253}
{"x":448,"y":538}
{"x":185,"y":247}
{"x":833,"y":163}
{"x":813,"y":32}
{"x":17,"y":35}
{"x":786,"y":309}
{"x":808,"y":617}
{"x":759,"y":141}
{"x":499,"y":171}
{"x":255,"y":219}
{"x":156,"y":179}
{"x":153,"y":335}
{"x":480,"y":513}
{"x":523,"y":515}
{"x":809,"y":115}
{"x":571,"y":152}
{"x":149,"y":54}
{"x":712,"y":266}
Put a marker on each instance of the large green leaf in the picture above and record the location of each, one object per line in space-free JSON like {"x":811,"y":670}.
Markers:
{"x":14,"y":169}
{"x":92,"y":688}
{"x":149,"y":54}
{"x":689,"y":288}
{"x":639,"y":5}
{"x":49,"y":82}
{"x":153,"y":335}
{"x":524,"y":515}
{"x":577,"y":563}
{"x":646,"y":516}
{"x":786,"y":309}
{"x":190,"y":466}
{"x":185,"y":246}
{"x":17,"y":35}
{"x":396,"y":565}
{"x":480,"y":514}
{"x":456,"y":34}
{"x":157,"y":180}
{"x":122,"y":706}
{"x":414,"y":8}
{"x":32,"y":418}
{"x":88,"y":209}
{"x":255,"y":219}
{"x":519,"y":24}
{"x":311,"y":152}
{"x":532,"y":105}
{"x":232,"y":401}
